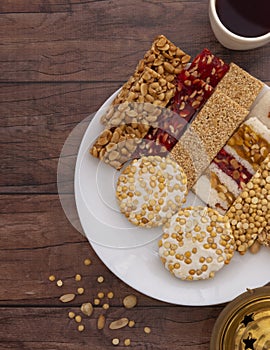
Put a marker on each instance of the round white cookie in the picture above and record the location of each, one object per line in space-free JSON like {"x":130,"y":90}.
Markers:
{"x":150,"y":190}
{"x":196,"y":243}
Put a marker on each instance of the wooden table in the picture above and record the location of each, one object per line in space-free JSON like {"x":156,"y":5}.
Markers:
{"x":60,"y":60}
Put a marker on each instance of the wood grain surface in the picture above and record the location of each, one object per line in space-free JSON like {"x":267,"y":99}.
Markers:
{"x":59,"y":61}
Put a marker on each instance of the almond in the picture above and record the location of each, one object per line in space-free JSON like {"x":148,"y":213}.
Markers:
{"x":121,"y":323}
{"x":66,"y":298}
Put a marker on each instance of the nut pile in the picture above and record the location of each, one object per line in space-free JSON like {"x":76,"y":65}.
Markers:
{"x":87,"y":309}
{"x":196,"y":243}
{"x":250,"y":213}
{"x":150,"y":190}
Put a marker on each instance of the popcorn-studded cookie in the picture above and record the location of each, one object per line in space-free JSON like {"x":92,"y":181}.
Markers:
{"x":150,"y":190}
{"x":196,"y":243}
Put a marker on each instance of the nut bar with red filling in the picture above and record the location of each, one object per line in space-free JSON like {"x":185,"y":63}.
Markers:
{"x":234,"y":165}
{"x":208,"y":67}
{"x":191,"y":94}
{"x":162,"y":138}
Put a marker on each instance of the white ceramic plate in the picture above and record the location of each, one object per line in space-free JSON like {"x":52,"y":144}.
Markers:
{"x":131,"y":253}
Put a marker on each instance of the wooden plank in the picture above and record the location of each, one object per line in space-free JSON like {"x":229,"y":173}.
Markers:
{"x":44,"y":6}
{"x":106,"y":35}
{"x":90,"y":60}
{"x":35,"y":121}
{"x":95,"y":42}
{"x":36,"y":241}
{"x":171,"y":328}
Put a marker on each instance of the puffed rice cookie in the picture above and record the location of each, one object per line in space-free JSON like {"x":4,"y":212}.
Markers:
{"x":197,"y":242}
{"x":150,"y":190}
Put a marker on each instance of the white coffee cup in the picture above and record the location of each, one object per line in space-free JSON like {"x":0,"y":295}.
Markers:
{"x":229,"y":39}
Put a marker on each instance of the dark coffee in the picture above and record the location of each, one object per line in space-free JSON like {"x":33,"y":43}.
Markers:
{"x":248,"y":18}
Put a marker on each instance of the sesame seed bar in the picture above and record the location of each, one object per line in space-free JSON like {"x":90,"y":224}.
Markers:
{"x":208,"y":133}
{"x":240,"y":86}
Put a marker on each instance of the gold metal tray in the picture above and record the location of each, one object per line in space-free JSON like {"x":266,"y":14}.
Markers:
{"x":244,"y":324}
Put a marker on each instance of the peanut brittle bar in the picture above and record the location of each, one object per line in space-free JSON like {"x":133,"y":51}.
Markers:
{"x":150,"y":87}
{"x":240,"y":86}
{"x":208,"y":67}
{"x":166,"y":60}
{"x":209,"y":131}
{"x":126,"y":129}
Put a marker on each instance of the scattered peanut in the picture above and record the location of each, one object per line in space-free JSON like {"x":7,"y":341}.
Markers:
{"x":71,"y":315}
{"x":78,"y":278}
{"x":100,"y":279}
{"x":105,"y":306}
{"x":147,"y":330}
{"x":80,"y":327}
{"x":110,"y":295}
{"x":59,"y":283}
{"x":115,"y":341}
{"x":127,"y":342}
{"x":87,"y":262}
{"x":52,"y":278}
{"x":254,"y":249}
{"x":101,"y":295}
{"x":78,"y":318}
{"x":80,"y":290}
{"x":96,"y":301}
{"x":131,"y":323}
